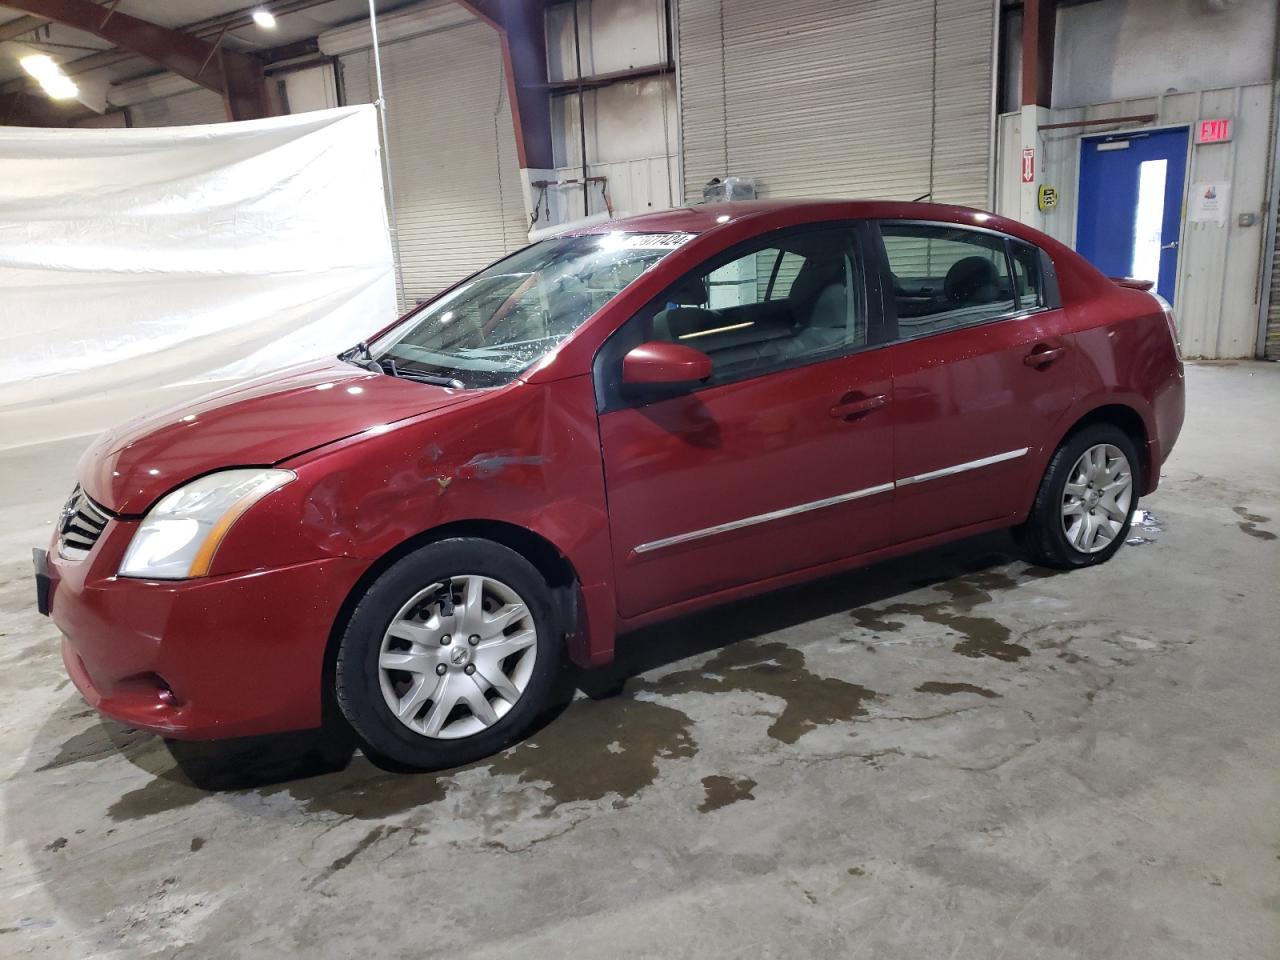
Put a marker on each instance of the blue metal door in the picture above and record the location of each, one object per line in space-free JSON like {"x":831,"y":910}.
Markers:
{"x":1130,"y":206}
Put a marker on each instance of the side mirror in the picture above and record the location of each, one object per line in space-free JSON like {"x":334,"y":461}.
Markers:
{"x":660,"y":363}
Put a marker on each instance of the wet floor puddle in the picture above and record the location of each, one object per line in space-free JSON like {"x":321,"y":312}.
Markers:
{"x":949,"y":689}
{"x":593,"y":750}
{"x":982,"y":636}
{"x":722,"y":791}
{"x":775,"y":670}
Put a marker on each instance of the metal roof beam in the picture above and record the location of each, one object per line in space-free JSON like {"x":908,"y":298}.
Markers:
{"x":236,"y":76}
{"x":522,"y":28}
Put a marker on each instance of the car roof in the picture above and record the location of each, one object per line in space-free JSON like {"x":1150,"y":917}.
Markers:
{"x":707,"y":216}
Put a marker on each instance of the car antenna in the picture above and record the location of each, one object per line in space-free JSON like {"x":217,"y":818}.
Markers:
{"x":923,"y":196}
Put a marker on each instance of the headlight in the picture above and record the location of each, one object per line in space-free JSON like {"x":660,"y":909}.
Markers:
{"x":181,"y":533}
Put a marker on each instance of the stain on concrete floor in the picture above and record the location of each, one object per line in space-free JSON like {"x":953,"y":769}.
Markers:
{"x":99,"y":741}
{"x":983,"y":636}
{"x":571,"y":755}
{"x":947,"y":689}
{"x":594,"y":749}
{"x":1249,"y":524}
{"x":775,"y":670}
{"x":722,"y":791}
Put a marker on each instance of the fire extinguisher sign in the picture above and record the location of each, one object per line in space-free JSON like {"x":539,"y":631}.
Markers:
{"x":1028,"y":165}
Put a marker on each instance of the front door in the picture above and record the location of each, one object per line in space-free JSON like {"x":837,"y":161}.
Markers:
{"x":783,"y":460}
{"x":1130,"y":208}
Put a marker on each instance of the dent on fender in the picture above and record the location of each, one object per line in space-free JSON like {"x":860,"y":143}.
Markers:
{"x":374,"y":492}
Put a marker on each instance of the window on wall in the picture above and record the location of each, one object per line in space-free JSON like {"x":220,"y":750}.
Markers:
{"x":946,"y":277}
{"x":784,"y":303}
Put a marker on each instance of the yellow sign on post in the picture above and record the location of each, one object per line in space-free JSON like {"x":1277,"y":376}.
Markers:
{"x":1048,"y":197}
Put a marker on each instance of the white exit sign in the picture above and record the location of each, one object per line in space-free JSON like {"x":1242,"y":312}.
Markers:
{"x":1214,"y":131}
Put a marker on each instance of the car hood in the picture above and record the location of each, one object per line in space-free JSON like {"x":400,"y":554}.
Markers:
{"x":260,"y":422}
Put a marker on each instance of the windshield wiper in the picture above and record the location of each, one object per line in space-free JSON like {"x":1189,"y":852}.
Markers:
{"x":429,"y":378}
{"x":361,"y":357}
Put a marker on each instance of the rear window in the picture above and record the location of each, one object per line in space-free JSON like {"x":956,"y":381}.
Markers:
{"x":946,"y":277}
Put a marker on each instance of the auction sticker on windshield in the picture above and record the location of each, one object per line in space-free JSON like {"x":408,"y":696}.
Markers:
{"x":652,"y":241}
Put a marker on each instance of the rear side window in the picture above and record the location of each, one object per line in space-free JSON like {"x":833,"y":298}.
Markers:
{"x":946,"y":277}
{"x":1027,"y":276}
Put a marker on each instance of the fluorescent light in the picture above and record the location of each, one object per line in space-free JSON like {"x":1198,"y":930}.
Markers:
{"x":49,"y":75}
{"x":60,"y":87}
{"x":39,"y":65}
{"x":265,"y":19}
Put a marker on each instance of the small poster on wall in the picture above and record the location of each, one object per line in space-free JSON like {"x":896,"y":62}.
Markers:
{"x":1210,"y":202}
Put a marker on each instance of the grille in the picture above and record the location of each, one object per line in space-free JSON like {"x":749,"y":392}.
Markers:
{"x":80,"y":525}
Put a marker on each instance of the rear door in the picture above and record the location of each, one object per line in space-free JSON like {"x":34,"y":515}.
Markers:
{"x":783,"y":459}
{"x":981,"y":372}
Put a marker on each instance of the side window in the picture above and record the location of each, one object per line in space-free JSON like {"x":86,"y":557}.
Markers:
{"x":791,"y":300}
{"x":946,"y":277}
{"x":1027,"y":277}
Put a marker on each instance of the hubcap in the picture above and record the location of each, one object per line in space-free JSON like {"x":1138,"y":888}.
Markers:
{"x":447,"y":690}
{"x":1097,"y":498}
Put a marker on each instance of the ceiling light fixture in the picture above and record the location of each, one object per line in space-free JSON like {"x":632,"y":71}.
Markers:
{"x":49,"y":75}
{"x":265,"y":19}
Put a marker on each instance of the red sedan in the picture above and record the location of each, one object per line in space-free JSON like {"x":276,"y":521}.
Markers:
{"x":600,"y":431}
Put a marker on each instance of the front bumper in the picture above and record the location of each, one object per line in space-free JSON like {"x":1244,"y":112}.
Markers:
{"x":204,"y":659}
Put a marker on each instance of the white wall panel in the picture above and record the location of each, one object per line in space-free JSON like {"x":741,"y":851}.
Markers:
{"x":1219,"y":290}
{"x":613,"y":35}
{"x":826,"y":98}
{"x":1120,"y":49}
{"x":452,"y":150}
{"x":632,"y":133}
{"x":315,"y":88}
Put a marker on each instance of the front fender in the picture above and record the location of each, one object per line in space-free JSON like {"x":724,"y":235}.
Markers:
{"x":527,"y":456}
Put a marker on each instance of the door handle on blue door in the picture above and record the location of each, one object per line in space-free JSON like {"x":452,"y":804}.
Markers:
{"x":848,"y":409}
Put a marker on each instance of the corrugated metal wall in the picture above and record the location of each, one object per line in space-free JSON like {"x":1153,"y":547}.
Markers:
{"x":830,"y":98}
{"x":453,"y":156}
{"x":192,"y":107}
{"x":631,"y":128}
{"x":1270,"y":339}
{"x":1220,"y":268}
{"x":1271,"y":345}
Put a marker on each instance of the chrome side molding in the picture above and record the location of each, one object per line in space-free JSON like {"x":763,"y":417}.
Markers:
{"x":761,"y":518}
{"x":785,"y":512}
{"x":962,"y":467}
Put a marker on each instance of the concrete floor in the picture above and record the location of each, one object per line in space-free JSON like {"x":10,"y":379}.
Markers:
{"x":953,"y":755}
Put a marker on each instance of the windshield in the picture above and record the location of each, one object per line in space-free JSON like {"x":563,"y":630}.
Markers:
{"x":506,"y":318}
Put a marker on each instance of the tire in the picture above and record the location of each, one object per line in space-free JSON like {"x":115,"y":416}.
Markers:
{"x":408,"y":618}
{"x":1062,"y":541}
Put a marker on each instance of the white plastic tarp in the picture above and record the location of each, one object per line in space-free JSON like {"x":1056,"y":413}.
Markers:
{"x":135,"y":260}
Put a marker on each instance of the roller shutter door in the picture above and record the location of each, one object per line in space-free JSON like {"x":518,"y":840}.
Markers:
{"x":183,"y":109}
{"x":454,"y":165}
{"x":837,"y":98}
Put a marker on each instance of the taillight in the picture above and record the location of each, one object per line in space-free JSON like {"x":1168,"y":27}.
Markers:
{"x":1167,"y":307}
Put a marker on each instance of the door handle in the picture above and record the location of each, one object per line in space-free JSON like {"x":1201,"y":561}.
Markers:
{"x":848,"y":409}
{"x":1043,"y":356}
{"x":1173,"y":245}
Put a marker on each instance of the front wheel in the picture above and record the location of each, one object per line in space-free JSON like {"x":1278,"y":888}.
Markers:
{"x":1086,"y":500}
{"x":450,"y":656}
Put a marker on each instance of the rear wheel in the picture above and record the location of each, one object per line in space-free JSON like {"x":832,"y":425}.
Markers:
{"x":1086,"y":500}
{"x":450,"y":656}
